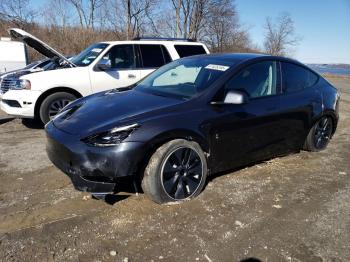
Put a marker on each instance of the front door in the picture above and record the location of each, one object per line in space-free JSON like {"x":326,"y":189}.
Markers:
{"x":251,"y":131}
{"x":117,"y":68}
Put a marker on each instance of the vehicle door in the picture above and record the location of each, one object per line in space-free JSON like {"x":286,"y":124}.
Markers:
{"x":152,"y":56}
{"x":301,"y":101}
{"x":117,"y":68}
{"x":251,"y":131}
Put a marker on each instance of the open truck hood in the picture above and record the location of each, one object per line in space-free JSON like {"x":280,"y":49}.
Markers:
{"x":37,"y":44}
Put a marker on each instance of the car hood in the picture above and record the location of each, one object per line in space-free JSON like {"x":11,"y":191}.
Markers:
{"x":20,"y":72}
{"x":37,"y":44}
{"x":104,"y":111}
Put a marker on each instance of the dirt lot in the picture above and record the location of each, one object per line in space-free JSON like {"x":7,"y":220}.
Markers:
{"x":295,"y":208}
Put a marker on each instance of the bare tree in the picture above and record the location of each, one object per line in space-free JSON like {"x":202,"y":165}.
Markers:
{"x":197,"y":17}
{"x":189,"y":17}
{"x":177,"y":6}
{"x":18,"y":12}
{"x":71,"y":25}
{"x":280,"y":36}
{"x":56,"y":13}
{"x":223,"y":30}
{"x":86,"y":11}
{"x":214,"y":22}
{"x":222,"y":22}
{"x":131,"y":17}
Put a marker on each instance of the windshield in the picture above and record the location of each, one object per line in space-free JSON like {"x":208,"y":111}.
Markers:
{"x":31,"y":65}
{"x":184,"y":78}
{"x":87,"y":56}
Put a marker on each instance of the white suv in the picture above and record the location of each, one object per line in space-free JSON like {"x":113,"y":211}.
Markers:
{"x":99,"y":67}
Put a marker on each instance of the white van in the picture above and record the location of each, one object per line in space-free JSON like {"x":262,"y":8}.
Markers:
{"x":101,"y":66}
{"x":13,"y":55}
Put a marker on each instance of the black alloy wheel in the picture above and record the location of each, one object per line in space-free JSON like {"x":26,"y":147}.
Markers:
{"x":176,"y":171}
{"x":323,"y":132}
{"x":319,"y":135}
{"x":182,"y":173}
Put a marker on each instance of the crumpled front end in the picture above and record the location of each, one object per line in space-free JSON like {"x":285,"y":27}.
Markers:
{"x":92,"y":169}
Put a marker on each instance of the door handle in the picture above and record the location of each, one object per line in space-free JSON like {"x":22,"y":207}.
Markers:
{"x":131,"y":76}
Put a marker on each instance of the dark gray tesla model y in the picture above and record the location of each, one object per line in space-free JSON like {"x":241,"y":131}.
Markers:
{"x":191,"y":118}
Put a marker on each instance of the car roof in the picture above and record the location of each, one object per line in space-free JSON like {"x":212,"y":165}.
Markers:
{"x":152,"y":42}
{"x":238,"y":58}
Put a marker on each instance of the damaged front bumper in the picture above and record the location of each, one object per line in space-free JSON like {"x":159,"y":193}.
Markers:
{"x":92,"y":169}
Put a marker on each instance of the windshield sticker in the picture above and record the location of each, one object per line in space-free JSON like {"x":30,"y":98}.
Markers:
{"x":217,"y":67}
{"x":96,"y":50}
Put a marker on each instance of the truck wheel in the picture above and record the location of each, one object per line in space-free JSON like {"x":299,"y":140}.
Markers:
{"x":53,"y":104}
{"x":176,"y":171}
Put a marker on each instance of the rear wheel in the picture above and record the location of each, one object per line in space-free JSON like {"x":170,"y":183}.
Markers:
{"x":319,"y":135}
{"x":177,"y":171}
{"x":53,"y":104}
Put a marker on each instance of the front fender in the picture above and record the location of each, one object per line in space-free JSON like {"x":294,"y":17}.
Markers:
{"x":187,"y":134}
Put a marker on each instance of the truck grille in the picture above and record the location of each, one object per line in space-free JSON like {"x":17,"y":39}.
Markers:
{"x":7,"y":83}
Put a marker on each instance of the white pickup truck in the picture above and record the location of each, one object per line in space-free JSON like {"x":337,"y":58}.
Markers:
{"x":101,"y":66}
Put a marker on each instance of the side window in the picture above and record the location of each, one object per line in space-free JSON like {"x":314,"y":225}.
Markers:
{"x":189,"y":50}
{"x":256,"y":80}
{"x":153,"y":56}
{"x":119,"y":57}
{"x":296,"y":78}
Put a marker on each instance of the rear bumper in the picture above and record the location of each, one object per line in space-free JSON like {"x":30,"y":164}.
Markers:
{"x":92,"y":169}
{"x":26,"y":100}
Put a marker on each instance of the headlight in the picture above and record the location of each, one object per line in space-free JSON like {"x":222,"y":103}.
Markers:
{"x":22,"y":84}
{"x":110,"y":138}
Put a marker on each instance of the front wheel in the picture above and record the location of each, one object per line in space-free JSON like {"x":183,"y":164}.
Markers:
{"x":53,"y":104}
{"x":177,"y":171}
{"x":319,"y":135}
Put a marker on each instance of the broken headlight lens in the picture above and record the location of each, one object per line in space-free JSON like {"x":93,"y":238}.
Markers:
{"x":110,"y":138}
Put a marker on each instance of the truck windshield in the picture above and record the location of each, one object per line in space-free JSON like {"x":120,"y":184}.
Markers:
{"x":87,"y":56}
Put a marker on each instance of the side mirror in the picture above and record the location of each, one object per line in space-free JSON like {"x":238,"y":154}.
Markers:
{"x":233,"y":97}
{"x":103,"y":67}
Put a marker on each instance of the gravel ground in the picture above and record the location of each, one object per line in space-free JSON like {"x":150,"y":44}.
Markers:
{"x":294,"y":208}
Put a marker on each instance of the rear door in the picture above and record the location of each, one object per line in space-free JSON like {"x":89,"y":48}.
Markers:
{"x":151,"y":57}
{"x":300,"y":101}
{"x":120,"y":68}
{"x":249,"y":132}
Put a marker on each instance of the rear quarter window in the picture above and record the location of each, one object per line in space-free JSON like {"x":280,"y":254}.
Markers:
{"x":296,"y":78}
{"x":189,"y":50}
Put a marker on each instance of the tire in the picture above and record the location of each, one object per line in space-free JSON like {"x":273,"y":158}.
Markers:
{"x":177,"y":171}
{"x":319,"y":135}
{"x":53,"y":103}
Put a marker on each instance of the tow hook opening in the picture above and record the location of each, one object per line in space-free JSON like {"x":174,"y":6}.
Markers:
{"x":99,"y":179}
{"x":99,"y":196}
